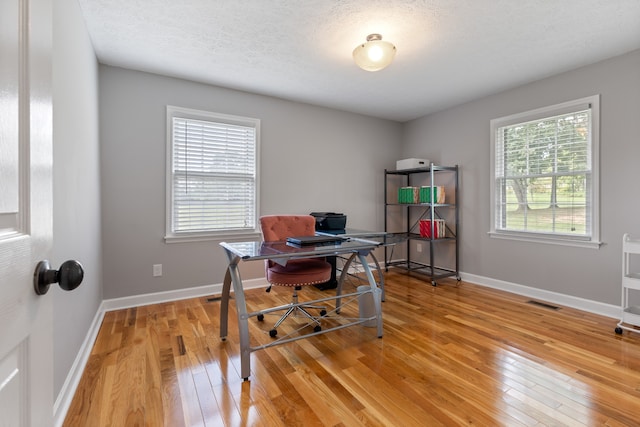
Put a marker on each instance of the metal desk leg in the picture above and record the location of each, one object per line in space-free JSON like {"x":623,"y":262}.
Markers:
{"x":343,"y":273}
{"x":241,"y":308}
{"x":224,"y":305}
{"x":374,"y":291}
{"x":380,"y":275}
{"x":345,"y":269}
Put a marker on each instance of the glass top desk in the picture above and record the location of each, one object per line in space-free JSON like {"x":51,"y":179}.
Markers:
{"x":382,"y":237}
{"x":281,"y":252}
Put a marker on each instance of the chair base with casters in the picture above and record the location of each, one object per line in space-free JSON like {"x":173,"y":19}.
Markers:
{"x":295,"y":309}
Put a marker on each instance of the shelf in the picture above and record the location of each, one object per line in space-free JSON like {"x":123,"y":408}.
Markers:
{"x":630,"y":285}
{"x":631,"y":315}
{"x":631,"y":246}
{"x":415,"y":236}
{"x":421,"y":170}
{"x":413,"y":266}
{"x":424,"y":261}
{"x":423,"y":205}
{"x":631,"y":281}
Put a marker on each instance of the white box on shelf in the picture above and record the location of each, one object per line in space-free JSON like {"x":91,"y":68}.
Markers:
{"x":412,"y":164}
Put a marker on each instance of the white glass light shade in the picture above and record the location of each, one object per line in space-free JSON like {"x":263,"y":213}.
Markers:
{"x":375,"y":54}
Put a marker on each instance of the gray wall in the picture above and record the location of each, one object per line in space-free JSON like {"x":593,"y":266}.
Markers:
{"x":109,"y":197}
{"x":76,"y":183}
{"x":312,"y":159}
{"x":461,"y":136}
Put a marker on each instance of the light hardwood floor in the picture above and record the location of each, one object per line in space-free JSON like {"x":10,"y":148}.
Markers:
{"x":450,"y":355}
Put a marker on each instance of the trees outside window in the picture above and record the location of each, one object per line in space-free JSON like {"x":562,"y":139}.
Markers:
{"x":545,"y":173}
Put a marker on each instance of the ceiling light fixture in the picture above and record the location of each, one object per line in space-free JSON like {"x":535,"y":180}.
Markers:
{"x":375,"y":54}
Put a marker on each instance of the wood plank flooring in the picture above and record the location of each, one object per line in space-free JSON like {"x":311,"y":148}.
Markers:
{"x":451,"y":355}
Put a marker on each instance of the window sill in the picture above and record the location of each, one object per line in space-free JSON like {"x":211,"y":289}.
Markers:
{"x":238,"y":237}
{"x":591,"y":244}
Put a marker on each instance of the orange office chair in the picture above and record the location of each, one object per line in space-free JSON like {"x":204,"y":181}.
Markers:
{"x":298,"y":272}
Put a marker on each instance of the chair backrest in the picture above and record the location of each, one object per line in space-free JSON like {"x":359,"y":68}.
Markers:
{"x":279,"y":227}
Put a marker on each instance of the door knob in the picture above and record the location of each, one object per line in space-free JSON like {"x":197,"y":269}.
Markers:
{"x":68,"y":277}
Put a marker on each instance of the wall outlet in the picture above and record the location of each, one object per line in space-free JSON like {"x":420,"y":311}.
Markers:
{"x":157,"y":270}
{"x":419,"y":247}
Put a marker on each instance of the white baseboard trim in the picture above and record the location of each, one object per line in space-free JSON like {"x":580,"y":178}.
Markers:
{"x":607,"y":310}
{"x":63,"y":401}
{"x":176,"y":295}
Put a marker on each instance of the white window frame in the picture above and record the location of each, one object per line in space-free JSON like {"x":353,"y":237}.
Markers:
{"x":592,"y":102}
{"x":188,"y":236}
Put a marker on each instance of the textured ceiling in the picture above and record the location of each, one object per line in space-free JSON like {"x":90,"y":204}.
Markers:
{"x":448,"y":51}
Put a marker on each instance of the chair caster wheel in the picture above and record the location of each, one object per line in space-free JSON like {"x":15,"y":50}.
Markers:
{"x":618,"y":330}
{"x":260,"y":317}
{"x":273,"y":333}
{"x":317,"y":328}
{"x":323,"y":312}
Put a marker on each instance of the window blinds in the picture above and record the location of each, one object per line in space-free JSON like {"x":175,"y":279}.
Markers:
{"x":543,"y":175}
{"x":214,"y":176}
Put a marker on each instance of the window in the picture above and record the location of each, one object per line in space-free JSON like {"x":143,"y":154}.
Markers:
{"x":545,"y":174}
{"x":212,"y":187}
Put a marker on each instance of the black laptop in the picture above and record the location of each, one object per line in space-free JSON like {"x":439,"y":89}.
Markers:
{"x":314,"y":240}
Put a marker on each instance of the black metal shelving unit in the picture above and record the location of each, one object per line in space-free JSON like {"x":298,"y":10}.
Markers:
{"x":414,"y":212}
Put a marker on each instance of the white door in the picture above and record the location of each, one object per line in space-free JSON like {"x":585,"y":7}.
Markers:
{"x":26,"y":366}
